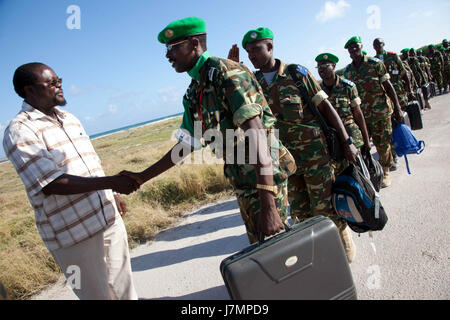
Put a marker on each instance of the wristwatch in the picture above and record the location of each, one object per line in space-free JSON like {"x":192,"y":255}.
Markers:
{"x":274,"y":189}
{"x":349,"y":141}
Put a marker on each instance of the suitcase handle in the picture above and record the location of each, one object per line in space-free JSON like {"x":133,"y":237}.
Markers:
{"x":261,"y":238}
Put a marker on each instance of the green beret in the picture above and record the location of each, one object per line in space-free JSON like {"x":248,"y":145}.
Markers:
{"x":258,"y":34}
{"x":356,"y":39}
{"x":431,"y":46}
{"x":405,"y":50}
{"x":441,"y":48}
{"x":327,"y":57}
{"x":364,"y":52}
{"x":445,"y":40}
{"x":419,"y":51}
{"x":412,"y":49}
{"x":181,"y":28}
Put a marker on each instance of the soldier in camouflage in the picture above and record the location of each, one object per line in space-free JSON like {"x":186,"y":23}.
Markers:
{"x":398,"y":75}
{"x":376,"y":93}
{"x":223,"y":99}
{"x":420,"y":74}
{"x":437,"y":66}
{"x":300,"y":131}
{"x":396,"y":70}
{"x":446,"y":56}
{"x":343,"y":95}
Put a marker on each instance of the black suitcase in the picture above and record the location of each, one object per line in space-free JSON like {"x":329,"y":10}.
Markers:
{"x":420,"y":99}
{"x":426,"y":91}
{"x":433,"y":89}
{"x":306,"y":262}
{"x":414,"y":115}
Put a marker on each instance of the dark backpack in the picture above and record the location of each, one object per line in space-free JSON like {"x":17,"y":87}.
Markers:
{"x":356,"y":200}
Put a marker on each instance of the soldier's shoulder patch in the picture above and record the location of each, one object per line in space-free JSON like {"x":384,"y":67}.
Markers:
{"x":348,"y":82}
{"x":373,"y":59}
{"x":302,"y":70}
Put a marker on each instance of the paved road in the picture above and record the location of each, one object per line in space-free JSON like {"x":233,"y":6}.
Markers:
{"x":409,"y":259}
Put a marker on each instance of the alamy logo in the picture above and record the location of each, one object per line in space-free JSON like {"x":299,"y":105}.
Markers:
{"x":74,"y":20}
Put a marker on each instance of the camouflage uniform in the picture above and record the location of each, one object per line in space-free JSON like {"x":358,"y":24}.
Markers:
{"x":410,"y":75}
{"x":376,"y":106}
{"x":436,"y":68}
{"x":446,"y":75}
{"x":309,"y":188}
{"x":344,"y":98}
{"x":396,"y":71}
{"x":223,"y":95}
{"x":419,"y":73}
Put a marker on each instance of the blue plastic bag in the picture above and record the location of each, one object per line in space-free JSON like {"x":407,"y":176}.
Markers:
{"x":405,"y":143}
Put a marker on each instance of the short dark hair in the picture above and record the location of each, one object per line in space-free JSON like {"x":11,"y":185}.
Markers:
{"x":25,"y":76}
{"x":202,"y":39}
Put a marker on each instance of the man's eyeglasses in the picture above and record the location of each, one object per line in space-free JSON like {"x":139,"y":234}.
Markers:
{"x":53,"y":83}
{"x":169,"y":47}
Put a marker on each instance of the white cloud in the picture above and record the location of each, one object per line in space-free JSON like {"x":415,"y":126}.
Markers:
{"x":332,"y":10}
{"x":170,"y":95}
{"x":112,"y":108}
{"x":418,"y":14}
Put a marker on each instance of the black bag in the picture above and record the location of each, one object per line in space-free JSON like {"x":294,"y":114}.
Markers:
{"x":414,"y":115}
{"x":420,"y":98}
{"x":375,"y":169}
{"x":334,"y":145}
{"x":306,"y":262}
{"x":356,"y":200}
{"x":433,"y":88}
{"x":426,"y":91}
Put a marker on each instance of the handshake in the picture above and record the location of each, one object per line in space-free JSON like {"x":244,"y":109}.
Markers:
{"x":126,"y":182}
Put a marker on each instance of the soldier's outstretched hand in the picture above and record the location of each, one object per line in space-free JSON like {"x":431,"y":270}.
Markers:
{"x":233,"y":54}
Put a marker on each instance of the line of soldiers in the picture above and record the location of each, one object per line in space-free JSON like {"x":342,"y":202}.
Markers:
{"x":224,"y":95}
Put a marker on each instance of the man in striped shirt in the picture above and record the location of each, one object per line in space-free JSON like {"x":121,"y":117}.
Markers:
{"x":77,"y":214}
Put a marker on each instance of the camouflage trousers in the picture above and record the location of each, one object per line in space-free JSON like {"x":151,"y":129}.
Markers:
{"x":437,"y":75}
{"x":250,"y":207}
{"x":380,"y":130}
{"x":310,"y":190}
{"x":446,"y":77}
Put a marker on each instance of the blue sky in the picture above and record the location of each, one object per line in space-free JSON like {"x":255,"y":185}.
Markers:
{"x":115,"y":71}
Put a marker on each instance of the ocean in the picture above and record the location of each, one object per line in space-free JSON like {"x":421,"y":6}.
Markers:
{"x":131,"y":126}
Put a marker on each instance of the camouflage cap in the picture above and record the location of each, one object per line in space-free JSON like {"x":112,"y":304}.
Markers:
{"x":327,"y":57}
{"x":181,"y":28}
{"x":258,"y":34}
{"x":356,"y":39}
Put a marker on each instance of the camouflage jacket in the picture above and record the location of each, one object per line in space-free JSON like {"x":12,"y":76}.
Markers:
{"x":419,"y":73}
{"x":395,"y":68}
{"x":446,"y":56}
{"x":222,"y":96}
{"x":368,"y":78}
{"x":344,"y":98}
{"x":299,"y":129}
{"x":436,"y":61}
{"x":410,"y":75}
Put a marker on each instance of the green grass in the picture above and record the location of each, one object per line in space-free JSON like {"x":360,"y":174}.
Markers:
{"x":26,"y":266}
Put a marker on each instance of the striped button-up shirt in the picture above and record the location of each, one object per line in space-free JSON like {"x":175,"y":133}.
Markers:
{"x":41,"y":149}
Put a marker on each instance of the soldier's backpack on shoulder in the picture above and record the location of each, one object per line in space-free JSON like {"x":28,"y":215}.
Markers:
{"x":405,"y":143}
{"x":355,"y":200}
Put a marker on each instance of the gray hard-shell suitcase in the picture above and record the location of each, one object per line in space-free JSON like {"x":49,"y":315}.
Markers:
{"x":306,"y":262}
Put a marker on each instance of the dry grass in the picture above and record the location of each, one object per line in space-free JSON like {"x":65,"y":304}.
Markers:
{"x":26,"y":267}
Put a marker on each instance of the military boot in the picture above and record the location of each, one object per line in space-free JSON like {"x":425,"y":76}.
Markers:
{"x":386,"y":179}
{"x":349,"y":245}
